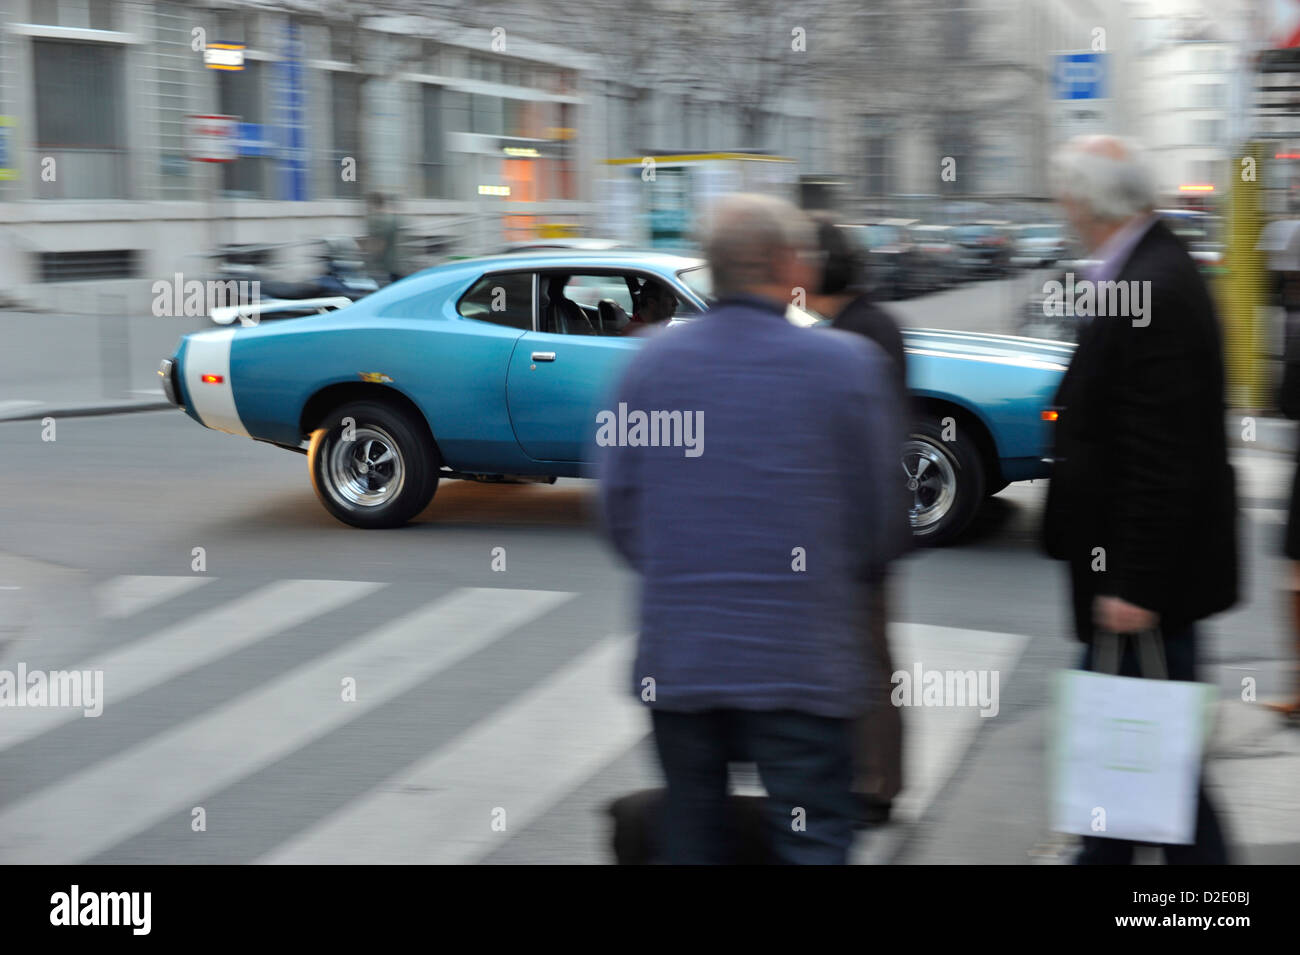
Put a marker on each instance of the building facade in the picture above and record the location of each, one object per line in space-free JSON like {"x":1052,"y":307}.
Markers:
{"x":480,"y":134}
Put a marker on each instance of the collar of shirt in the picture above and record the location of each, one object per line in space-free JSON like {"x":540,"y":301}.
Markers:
{"x":1115,"y":251}
{"x":745,"y":300}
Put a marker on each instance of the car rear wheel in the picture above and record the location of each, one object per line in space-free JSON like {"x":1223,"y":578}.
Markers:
{"x":945,"y":479}
{"x":373,"y":465}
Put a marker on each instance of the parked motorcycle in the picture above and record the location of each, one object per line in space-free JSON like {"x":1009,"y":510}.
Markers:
{"x":343,"y":280}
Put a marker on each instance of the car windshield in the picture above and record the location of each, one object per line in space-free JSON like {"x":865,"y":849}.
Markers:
{"x":1041,"y":232}
{"x":967,"y":232}
{"x":878,"y":235}
{"x":700,"y":281}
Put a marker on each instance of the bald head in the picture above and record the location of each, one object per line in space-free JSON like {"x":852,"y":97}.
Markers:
{"x":755,"y":244}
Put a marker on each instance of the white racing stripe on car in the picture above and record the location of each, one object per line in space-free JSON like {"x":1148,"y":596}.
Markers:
{"x":208,"y":353}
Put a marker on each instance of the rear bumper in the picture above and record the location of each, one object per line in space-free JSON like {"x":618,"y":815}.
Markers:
{"x":167,"y":372}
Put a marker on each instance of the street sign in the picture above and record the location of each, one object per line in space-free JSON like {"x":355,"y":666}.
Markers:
{"x":1079,"y":76}
{"x":1080,"y":99}
{"x":212,"y":138}
{"x":8,"y":157}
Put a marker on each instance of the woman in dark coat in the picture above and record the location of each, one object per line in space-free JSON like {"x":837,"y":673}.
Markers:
{"x":841,"y":296}
{"x":1289,"y":402}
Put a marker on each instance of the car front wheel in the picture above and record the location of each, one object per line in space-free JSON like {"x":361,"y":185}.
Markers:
{"x":945,"y":481}
{"x":373,"y":465}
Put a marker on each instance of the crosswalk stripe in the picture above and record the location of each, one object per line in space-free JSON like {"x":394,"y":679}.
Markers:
{"x":178,"y":649}
{"x":522,"y":759}
{"x":935,"y":738}
{"x":126,"y":794}
{"x":128,"y":595}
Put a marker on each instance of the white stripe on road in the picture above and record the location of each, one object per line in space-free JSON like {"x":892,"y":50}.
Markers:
{"x":128,"y":595}
{"x":521,"y":760}
{"x":935,"y":738}
{"x":130,"y":792}
{"x":168,"y":653}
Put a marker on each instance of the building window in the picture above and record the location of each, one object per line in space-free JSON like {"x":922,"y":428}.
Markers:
{"x":94,"y":14}
{"x":342,"y":44}
{"x":240,"y":94}
{"x":233,"y":27}
{"x":96,"y":264}
{"x":875,"y":165}
{"x":433,"y":157}
{"x":79,"y":120}
{"x":486,"y":115}
{"x":345,"y":98}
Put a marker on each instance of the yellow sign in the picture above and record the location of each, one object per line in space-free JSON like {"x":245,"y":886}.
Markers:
{"x":224,"y":56}
{"x":557,"y":230}
{"x":8,"y":148}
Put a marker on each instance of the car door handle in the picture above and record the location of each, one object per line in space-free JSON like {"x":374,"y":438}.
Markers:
{"x":543,"y":356}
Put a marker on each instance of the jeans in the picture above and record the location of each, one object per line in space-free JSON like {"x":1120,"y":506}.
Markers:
{"x":804,"y":761}
{"x":1210,"y":848}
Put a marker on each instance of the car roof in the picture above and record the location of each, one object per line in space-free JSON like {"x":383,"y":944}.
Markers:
{"x":653,"y":259}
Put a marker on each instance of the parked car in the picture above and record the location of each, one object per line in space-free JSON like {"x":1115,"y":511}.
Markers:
{"x":485,"y":369}
{"x":936,"y":251}
{"x":1199,"y":232}
{"x":1047,"y":319}
{"x":1039,"y":245}
{"x":984,"y":248}
{"x":891,"y":260}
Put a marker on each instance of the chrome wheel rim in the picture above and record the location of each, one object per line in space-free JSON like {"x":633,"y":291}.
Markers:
{"x":932,"y":482}
{"x":367,"y":471}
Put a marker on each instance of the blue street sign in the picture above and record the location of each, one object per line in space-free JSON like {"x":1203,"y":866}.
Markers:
{"x":254,"y":141}
{"x":1079,"y":76}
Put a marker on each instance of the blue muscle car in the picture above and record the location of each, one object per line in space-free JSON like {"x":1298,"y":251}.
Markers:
{"x":493,"y":368}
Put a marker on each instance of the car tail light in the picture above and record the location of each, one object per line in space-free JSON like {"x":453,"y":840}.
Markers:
{"x":1051,"y":415}
{"x":212,"y":379}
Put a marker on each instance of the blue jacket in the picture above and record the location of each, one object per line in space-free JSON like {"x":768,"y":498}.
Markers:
{"x":755,"y":545}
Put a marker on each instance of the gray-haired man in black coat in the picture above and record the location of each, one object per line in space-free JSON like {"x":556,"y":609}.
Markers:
{"x":1142,"y":501}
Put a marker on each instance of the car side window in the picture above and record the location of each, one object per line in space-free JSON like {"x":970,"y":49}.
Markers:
{"x":589,"y":290}
{"x":502,"y":299}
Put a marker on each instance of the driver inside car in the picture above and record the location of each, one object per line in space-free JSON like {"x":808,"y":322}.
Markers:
{"x":657,"y":304}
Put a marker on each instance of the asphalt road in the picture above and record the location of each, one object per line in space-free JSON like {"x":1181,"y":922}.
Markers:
{"x":490,"y":722}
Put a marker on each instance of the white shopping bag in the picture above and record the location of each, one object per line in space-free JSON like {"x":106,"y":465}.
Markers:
{"x":1126,"y":758}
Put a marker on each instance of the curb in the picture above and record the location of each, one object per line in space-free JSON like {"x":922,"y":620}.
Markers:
{"x":1272,"y":433}
{"x":88,"y":410}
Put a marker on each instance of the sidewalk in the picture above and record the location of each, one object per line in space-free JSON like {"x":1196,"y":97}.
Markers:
{"x":70,"y":365}
{"x":1253,"y":761}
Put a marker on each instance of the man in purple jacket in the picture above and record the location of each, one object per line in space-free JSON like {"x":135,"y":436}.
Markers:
{"x":754,"y":489}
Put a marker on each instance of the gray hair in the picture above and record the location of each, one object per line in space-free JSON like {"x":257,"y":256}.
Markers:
{"x":1107,"y":174}
{"x":747,"y":233}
